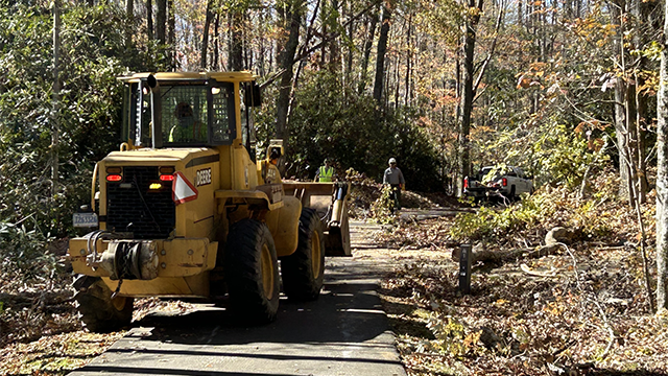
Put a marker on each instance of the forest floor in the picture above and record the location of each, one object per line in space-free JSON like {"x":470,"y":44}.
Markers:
{"x":581,"y":309}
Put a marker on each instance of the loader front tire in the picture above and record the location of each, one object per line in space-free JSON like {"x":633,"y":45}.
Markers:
{"x":99,"y":312}
{"x":304,"y":270}
{"x":251,"y":272}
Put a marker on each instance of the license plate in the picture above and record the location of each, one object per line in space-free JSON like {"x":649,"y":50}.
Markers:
{"x":85,"y":220}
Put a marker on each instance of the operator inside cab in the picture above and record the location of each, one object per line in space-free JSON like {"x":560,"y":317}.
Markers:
{"x":187,"y":127}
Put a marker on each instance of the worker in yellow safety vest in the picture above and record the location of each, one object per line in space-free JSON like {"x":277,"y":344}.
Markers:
{"x":187,"y":129}
{"x":325,"y":174}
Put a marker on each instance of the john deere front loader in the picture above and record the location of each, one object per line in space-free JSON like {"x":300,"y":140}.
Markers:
{"x":183,"y":209}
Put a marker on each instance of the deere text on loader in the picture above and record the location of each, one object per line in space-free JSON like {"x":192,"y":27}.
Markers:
{"x":185,"y":211}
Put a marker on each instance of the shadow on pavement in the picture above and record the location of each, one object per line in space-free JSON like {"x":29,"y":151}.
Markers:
{"x":345,"y":312}
{"x":344,"y":332}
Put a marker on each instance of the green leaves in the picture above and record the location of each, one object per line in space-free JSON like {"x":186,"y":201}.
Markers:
{"x":32,"y":208}
{"x":331,"y":120}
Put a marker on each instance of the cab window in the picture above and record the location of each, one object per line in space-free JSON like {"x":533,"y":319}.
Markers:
{"x":247,"y":126}
{"x":222,"y":114}
{"x":137,"y":116}
{"x":184,"y":114}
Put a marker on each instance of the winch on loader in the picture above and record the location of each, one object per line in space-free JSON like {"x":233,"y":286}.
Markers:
{"x":184,"y":210}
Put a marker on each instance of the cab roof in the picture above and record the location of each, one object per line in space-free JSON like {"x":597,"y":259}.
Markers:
{"x":244,"y":76}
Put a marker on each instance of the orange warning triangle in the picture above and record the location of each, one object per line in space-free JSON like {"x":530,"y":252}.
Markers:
{"x":182,"y":189}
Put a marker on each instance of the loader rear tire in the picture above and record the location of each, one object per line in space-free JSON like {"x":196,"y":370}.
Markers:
{"x":251,"y":272}
{"x":99,"y":312}
{"x":304,"y":270}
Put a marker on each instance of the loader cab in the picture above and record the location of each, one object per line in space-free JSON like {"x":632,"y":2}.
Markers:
{"x":171,"y":110}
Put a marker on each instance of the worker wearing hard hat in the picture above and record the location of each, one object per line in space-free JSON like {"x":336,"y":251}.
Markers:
{"x":395,"y":179}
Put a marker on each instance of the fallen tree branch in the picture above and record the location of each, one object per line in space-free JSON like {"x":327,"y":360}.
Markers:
{"x":593,"y":299}
{"x":549,"y":274}
{"x":513,"y":254}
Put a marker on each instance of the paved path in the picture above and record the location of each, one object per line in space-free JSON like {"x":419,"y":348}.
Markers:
{"x":345,"y":332}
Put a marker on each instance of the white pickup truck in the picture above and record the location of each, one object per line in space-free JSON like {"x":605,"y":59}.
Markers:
{"x":490,"y":181}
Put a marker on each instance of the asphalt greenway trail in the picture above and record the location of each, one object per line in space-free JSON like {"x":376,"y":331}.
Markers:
{"x":344,"y":332}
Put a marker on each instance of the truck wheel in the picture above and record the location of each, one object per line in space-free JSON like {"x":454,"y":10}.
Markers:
{"x":512,"y":196}
{"x":304,"y":270}
{"x":251,"y":272}
{"x":99,"y":312}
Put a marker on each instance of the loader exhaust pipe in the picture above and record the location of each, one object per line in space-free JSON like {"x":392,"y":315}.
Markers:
{"x":156,"y":136}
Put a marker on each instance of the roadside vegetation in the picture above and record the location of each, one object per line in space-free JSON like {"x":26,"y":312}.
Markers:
{"x":578,"y":307}
{"x":566,"y":90}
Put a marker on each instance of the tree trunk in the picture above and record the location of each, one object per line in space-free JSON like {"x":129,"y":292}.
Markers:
{"x":409,"y":60}
{"x":334,"y":45}
{"x":623,"y":143}
{"x":129,"y":26}
{"x":349,"y":55}
{"x":261,"y":52}
{"x":626,"y":114}
{"x":215,"y":64}
{"x":171,"y":35}
{"x":161,"y":21}
{"x":368,"y":43}
{"x":149,"y":19}
{"x":380,"y":54}
{"x":662,"y":177}
{"x":236,"y":59}
{"x":467,"y":93}
{"x":643,"y":22}
{"x":55,"y":110}
{"x":205,"y":35}
{"x":287,"y":60}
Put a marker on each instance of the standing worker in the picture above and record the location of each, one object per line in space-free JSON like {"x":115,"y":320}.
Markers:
{"x":325,"y":174}
{"x":395,"y":179}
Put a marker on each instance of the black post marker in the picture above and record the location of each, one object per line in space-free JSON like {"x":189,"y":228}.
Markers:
{"x":465,"y":269}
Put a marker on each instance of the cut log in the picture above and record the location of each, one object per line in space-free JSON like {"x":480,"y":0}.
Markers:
{"x":484,"y":255}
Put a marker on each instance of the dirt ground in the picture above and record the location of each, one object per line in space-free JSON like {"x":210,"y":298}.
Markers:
{"x":581,"y":310}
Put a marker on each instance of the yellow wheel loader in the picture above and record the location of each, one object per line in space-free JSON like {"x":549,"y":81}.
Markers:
{"x":184,"y":210}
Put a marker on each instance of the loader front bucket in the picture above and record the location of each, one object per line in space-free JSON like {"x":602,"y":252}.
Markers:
{"x":330,"y":201}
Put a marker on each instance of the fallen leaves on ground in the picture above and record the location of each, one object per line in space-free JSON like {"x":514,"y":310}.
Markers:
{"x":583,"y":310}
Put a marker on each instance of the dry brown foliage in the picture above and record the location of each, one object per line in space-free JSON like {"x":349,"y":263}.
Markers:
{"x":582,"y":310}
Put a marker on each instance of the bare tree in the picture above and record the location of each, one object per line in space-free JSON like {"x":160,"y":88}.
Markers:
{"x":381,"y":51}
{"x":468,"y":93}
{"x":368,"y":43}
{"x":236,"y":25}
{"x":171,"y":34}
{"x":161,"y":21}
{"x":129,"y":26}
{"x":292,"y":14}
{"x":55,"y":109}
{"x":149,"y":19}
{"x":662,"y":179}
{"x":205,"y":35}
